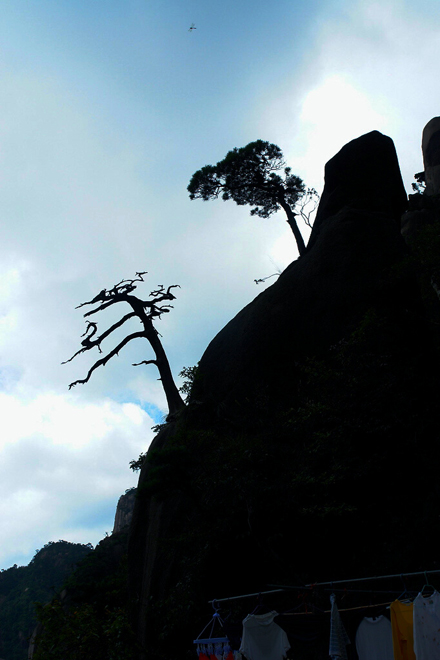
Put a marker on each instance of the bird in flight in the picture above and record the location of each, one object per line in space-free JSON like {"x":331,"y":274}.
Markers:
{"x":193,"y":27}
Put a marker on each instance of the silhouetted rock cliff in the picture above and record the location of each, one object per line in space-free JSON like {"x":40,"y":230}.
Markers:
{"x":431,"y":156}
{"x":124,"y":511}
{"x":364,"y":175}
{"x":320,"y":298}
{"x":307,"y":443}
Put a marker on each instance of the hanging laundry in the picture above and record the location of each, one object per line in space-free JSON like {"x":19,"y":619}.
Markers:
{"x":211,"y":652}
{"x":215,"y":650}
{"x":220,"y":650}
{"x":402,"y":630}
{"x":427,"y":626}
{"x":374,"y":640}
{"x":263,"y":639}
{"x":338,"y":636}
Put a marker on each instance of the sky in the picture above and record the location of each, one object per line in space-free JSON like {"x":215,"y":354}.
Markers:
{"x":106,"y":110}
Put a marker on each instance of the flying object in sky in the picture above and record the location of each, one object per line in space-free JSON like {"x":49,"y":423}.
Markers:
{"x":193,"y":27}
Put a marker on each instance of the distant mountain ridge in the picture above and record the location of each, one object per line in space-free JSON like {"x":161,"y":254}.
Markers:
{"x":22,"y":586}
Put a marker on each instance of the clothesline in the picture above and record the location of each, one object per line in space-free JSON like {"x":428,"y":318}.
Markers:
{"x":364,"y":579}
{"x":412,"y":624}
{"x":344,"y":609}
{"x":282,"y":588}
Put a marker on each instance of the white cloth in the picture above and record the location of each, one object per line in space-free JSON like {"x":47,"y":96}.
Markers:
{"x":338,"y":636}
{"x":262,"y":638}
{"x":374,"y":639}
{"x":427,"y":626}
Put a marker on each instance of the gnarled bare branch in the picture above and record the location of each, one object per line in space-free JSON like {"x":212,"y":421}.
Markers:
{"x":94,"y":327}
{"x":146,"y":311}
{"x":311,"y":200}
{"x":87,"y":344}
{"x":109,"y":303}
{"x":101,"y":296}
{"x":161,"y":294}
{"x":112,"y":328}
{"x":103,"y":361}
{"x":138,"y":364}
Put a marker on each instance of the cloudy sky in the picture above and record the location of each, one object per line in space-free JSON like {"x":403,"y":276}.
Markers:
{"x":106,"y":110}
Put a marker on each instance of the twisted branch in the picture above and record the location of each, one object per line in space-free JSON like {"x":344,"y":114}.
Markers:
{"x":108,"y":357}
{"x":146,"y":311}
{"x":137,"y":364}
{"x":87,"y":344}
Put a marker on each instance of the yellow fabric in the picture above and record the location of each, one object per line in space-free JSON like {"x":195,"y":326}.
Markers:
{"x":402,"y":629}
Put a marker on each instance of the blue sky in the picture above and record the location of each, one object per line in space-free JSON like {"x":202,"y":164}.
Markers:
{"x":106,"y":110}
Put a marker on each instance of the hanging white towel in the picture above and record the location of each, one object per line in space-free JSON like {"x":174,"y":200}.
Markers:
{"x":338,"y":636}
{"x":427,"y":626}
{"x":374,"y":639}
{"x":262,"y":638}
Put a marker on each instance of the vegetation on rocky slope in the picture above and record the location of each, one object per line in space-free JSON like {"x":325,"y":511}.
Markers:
{"x":22,"y":586}
{"x":89,"y":619}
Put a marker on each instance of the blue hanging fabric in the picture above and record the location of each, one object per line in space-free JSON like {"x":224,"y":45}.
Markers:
{"x":210,"y":646}
{"x":217,"y":650}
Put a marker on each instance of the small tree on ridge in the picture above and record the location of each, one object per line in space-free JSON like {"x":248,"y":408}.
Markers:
{"x":256,"y":175}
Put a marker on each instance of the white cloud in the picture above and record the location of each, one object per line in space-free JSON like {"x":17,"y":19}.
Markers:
{"x":332,"y":114}
{"x":64,"y":465}
{"x":370,"y":66}
{"x":148,"y":390}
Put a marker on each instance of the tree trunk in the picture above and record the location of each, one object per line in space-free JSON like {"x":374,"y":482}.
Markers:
{"x":174,"y":400}
{"x":291,"y":220}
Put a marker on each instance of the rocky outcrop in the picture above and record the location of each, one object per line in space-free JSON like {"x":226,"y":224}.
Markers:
{"x":364,"y":175}
{"x":304,"y":412}
{"x":124,"y":511}
{"x":431,"y":156}
{"x":424,"y":207}
{"x":154,"y":520}
{"x":419,"y":224}
{"x":319,"y":298}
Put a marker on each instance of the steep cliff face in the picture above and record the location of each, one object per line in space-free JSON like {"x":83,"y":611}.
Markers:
{"x":320,"y":298}
{"x":124,"y":511}
{"x":431,"y":156}
{"x":310,"y":410}
{"x":365,"y":175}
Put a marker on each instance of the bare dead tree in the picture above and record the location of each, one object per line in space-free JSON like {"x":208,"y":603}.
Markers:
{"x":146,"y":311}
{"x":307,"y":206}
